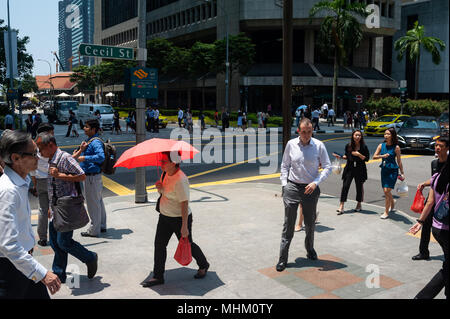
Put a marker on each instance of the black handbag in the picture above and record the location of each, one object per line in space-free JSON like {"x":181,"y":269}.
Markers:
{"x":159,"y":198}
{"x":69,"y":212}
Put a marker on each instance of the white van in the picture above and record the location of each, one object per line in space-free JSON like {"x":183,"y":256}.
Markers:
{"x":87,"y":112}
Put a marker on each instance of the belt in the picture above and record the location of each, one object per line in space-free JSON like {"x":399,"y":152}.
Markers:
{"x":91,"y":174}
{"x":298,"y":184}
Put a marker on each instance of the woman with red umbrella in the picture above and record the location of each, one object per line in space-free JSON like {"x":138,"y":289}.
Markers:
{"x":175,"y":217}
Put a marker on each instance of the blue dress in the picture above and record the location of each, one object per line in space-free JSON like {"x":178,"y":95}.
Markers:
{"x":389,"y":167}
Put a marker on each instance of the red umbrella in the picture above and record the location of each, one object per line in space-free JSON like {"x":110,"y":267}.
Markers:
{"x":148,"y":153}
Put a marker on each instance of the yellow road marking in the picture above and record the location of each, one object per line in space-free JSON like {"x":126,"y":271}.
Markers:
{"x":116,"y":187}
{"x":417,"y":235}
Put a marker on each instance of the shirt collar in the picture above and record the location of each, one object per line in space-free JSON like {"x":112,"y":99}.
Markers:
{"x":55,"y":156}
{"x":90,"y":138}
{"x":311,"y":142}
{"x":16,"y":178}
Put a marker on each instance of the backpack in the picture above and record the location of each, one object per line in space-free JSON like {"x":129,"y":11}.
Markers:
{"x":107,"y":166}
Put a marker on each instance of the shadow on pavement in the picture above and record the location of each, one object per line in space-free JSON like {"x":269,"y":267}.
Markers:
{"x":89,"y":286}
{"x":112,"y":233}
{"x":323,"y":264}
{"x":180,"y":281}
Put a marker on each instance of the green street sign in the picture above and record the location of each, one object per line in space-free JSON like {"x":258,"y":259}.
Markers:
{"x":108,"y":52}
{"x":141,"y":83}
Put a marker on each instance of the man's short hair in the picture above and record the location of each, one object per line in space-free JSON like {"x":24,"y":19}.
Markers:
{"x":93,"y":124}
{"x":46,"y":138}
{"x":443,"y":139}
{"x":13,"y":142}
{"x":304,"y":121}
{"x":45,"y":127}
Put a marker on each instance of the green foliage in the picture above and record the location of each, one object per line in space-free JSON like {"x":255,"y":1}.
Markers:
{"x":241,"y":53}
{"x":392,"y":105}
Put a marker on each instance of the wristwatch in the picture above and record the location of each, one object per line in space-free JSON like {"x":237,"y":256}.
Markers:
{"x":420,"y":221}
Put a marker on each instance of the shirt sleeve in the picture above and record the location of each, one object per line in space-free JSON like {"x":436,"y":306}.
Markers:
{"x":73,"y":167}
{"x":9,"y":243}
{"x":326,"y":165}
{"x":99,"y":154}
{"x":285,"y":165}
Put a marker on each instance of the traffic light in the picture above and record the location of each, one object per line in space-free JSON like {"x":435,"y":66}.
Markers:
{"x":403,"y":97}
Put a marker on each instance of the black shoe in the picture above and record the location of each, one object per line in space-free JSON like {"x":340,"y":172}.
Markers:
{"x":153,"y":282}
{"x":103,"y":230}
{"x":281,"y":266}
{"x":42,"y":242}
{"x":200,"y":275}
{"x":86,"y":234}
{"x":421,"y":257}
{"x":92,"y":267}
{"x":311,"y":255}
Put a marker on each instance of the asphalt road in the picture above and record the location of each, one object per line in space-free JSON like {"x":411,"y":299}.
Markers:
{"x":203,"y":170}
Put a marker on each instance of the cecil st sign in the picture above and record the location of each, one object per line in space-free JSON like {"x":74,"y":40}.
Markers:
{"x":108,"y":52}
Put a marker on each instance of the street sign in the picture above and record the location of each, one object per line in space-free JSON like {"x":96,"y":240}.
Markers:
{"x":108,"y":52}
{"x":142,"y":83}
{"x":359,"y":99}
{"x":11,"y":94}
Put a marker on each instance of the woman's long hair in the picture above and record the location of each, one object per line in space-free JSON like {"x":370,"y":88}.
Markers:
{"x":442,"y":181}
{"x":361,"y":142}
{"x":394,"y":137}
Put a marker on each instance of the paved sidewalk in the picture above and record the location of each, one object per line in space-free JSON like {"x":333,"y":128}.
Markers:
{"x":238,"y":228}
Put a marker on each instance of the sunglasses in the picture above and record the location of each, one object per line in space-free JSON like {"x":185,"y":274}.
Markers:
{"x":35,"y":154}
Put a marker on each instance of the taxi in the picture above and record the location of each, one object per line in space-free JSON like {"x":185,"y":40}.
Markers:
{"x":381,"y":124}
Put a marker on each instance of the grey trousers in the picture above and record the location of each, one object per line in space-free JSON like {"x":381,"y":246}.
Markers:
{"x":42,"y":190}
{"x":293,"y":195}
{"x":93,"y":193}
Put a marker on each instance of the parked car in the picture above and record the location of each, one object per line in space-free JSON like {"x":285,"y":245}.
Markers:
{"x":87,"y":112}
{"x":163,"y":122}
{"x":417,"y":133}
{"x":381,"y":124}
{"x":58,"y":111}
{"x":443,"y":124}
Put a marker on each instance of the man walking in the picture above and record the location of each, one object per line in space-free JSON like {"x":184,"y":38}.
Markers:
{"x":441,"y":148}
{"x":64,"y":172}
{"x":91,"y":155}
{"x":156,"y":120}
{"x":315,"y":119}
{"x":180,"y":116}
{"x":39,"y":177}
{"x":300,"y":178}
{"x":21,"y":276}
{"x":331,"y":116}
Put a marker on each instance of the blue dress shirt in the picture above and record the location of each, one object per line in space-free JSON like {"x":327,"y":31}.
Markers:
{"x":94,"y":155}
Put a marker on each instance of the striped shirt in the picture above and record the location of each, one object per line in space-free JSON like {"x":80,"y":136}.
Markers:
{"x":66,"y":164}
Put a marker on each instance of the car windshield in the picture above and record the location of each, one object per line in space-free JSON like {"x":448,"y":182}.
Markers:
{"x":67,"y":105}
{"x":105,"y":109}
{"x":420,"y":123}
{"x":386,"y":118}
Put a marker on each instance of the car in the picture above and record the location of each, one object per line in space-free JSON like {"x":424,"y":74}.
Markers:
{"x":418,"y":133}
{"x":381,"y":124}
{"x":443,"y":123}
{"x":58,"y":111}
{"x":87,"y":112}
{"x":163,"y":122}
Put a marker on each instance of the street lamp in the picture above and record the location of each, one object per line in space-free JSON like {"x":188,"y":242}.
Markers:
{"x":49,"y":77}
{"x":227,"y":63}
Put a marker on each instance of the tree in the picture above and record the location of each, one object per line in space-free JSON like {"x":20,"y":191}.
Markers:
{"x":241,"y":54}
{"x":201,"y":62}
{"x":412,"y":43}
{"x":340,"y":32}
{"x":24,"y":60}
{"x":84,"y":77}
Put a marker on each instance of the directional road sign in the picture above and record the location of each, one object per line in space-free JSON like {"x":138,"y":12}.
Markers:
{"x":142,"y":83}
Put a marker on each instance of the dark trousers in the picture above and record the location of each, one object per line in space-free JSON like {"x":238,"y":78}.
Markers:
{"x":426,"y":234}
{"x":315,"y":122}
{"x":346,"y":186}
{"x":293,"y":195}
{"x":441,"y":279}
{"x":166,"y":227}
{"x":14,"y":284}
{"x":69,"y":129}
{"x":63,"y":245}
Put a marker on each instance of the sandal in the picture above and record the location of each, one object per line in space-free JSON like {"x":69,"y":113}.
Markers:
{"x":384,"y":216}
{"x":339,"y":212}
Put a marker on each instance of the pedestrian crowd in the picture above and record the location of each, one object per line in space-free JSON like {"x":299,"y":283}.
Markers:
{"x":65,"y":182}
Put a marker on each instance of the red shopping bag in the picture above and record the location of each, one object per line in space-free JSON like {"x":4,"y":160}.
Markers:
{"x":418,"y":203}
{"x":183,"y":254}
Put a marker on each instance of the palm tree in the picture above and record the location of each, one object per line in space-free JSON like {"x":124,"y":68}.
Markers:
{"x":412,"y":43}
{"x":340,"y":31}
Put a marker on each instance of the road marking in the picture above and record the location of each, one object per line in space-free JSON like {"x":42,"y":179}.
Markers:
{"x":418,"y":234}
{"x":116,"y":187}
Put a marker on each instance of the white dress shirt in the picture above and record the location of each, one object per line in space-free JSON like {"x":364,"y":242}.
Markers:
{"x":301,"y":162}
{"x":42,"y":170}
{"x":16,"y":233}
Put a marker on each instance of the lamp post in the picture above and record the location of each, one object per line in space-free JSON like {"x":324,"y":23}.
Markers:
{"x":227,"y":63}
{"x":11,"y":80}
{"x":49,"y":77}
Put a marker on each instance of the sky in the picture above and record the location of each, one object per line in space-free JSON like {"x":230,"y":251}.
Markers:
{"x":37,"y":19}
